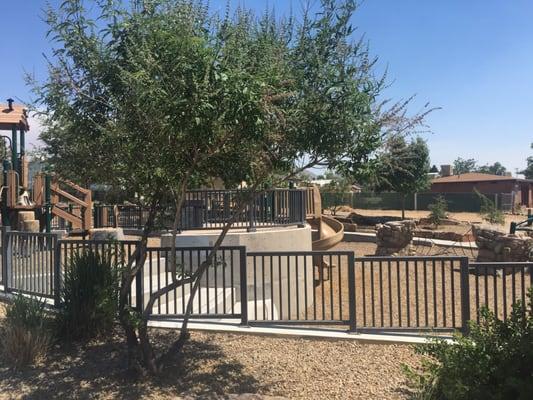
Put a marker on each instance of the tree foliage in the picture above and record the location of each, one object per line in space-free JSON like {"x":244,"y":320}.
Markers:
{"x":403,"y":167}
{"x":528,"y":171}
{"x":494,"y":169}
{"x":159,"y":97}
{"x":463,"y":166}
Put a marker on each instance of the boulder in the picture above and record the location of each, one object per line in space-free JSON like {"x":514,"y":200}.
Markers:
{"x":106,"y":234}
{"x":495,"y":245}
{"x":394,"y":238}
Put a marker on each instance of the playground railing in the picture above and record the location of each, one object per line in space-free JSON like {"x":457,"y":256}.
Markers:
{"x":395,"y":294}
{"x":211,"y":209}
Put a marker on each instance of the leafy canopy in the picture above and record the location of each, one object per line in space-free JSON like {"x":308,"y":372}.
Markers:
{"x":156,"y":94}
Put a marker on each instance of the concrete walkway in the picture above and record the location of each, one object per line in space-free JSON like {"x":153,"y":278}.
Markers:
{"x":233,"y":326}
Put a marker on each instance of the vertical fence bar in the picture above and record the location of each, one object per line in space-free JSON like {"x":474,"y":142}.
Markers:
{"x":351,"y":293}
{"x":57,"y":271}
{"x":244,"y":286}
{"x":465,"y":295}
{"x":6,"y":258}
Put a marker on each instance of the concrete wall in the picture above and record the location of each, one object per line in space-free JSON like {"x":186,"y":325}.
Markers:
{"x":270,"y":281}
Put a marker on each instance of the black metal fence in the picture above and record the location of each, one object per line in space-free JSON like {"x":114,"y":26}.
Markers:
{"x":456,"y":202}
{"x":286,"y":288}
{"x":211,"y":209}
{"x":28,"y":264}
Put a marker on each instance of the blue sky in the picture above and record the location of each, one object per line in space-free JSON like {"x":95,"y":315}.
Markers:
{"x":472,"y":58}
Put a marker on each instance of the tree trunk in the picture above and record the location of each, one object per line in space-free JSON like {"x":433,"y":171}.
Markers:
{"x":136,"y":356}
{"x":403,"y":205}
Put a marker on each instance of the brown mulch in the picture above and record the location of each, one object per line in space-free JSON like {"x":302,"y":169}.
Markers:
{"x":215,"y":365}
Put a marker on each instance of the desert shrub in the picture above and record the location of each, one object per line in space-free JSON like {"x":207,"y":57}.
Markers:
{"x":89,"y":296}
{"x":438,"y":211}
{"x":489,"y":212}
{"x":25,"y":333}
{"x":494,"y":361}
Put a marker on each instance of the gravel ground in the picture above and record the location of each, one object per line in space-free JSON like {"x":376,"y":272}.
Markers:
{"x":215,"y":365}
{"x":411,"y":284}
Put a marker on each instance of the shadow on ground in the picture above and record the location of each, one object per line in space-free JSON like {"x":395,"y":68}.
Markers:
{"x":98,"y":370}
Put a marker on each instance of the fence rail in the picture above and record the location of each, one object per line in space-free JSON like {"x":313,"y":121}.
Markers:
{"x":211,"y":209}
{"x":456,"y":202}
{"x":284,"y":288}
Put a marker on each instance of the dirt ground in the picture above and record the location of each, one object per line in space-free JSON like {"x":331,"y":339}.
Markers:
{"x":217,"y":364}
{"x":469,"y":217}
{"x":415,"y":293}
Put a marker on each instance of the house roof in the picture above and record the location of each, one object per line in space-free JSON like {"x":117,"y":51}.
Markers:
{"x":15,"y":116}
{"x":473,"y":177}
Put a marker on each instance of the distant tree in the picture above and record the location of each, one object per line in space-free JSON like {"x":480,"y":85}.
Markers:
{"x":403,"y":167}
{"x":494,"y":169}
{"x":434,"y":169}
{"x":528,"y":172}
{"x":339,"y":190}
{"x":329,"y":174}
{"x":463,"y":166}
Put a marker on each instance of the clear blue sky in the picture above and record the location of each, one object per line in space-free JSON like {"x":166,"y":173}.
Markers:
{"x":472,"y":58}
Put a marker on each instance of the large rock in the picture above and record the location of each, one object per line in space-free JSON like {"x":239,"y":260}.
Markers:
{"x":394,"y":238}
{"x":497,"y":246}
{"x":106,"y":234}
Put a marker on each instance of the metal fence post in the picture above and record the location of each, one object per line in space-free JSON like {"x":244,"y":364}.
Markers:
{"x":139,"y":285}
{"x":351,"y":293}
{"x":303,"y":208}
{"x":56,"y":244}
{"x":6,"y":258}
{"x":244,"y":287}
{"x":251,"y":215}
{"x":465,"y":295}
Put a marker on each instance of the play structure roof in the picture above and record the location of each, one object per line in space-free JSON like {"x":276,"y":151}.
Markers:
{"x":16,"y":116}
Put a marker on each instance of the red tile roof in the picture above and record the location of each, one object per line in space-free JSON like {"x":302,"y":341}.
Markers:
{"x":16,"y":116}
{"x":473,"y":177}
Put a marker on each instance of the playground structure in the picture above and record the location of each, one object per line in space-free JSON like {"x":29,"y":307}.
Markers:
{"x":52,"y":198}
{"x":32,"y":209}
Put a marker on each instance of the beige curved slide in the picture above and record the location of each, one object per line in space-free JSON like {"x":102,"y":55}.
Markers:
{"x":330,"y":232}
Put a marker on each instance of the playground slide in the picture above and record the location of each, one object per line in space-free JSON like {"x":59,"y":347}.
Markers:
{"x":330,"y":232}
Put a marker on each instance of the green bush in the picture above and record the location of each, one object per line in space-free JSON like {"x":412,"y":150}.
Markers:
{"x":438,"y":211}
{"x":89,"y":296}
{"x":493,"y":362}
{"x":489,"y":212}
{"x":25,"y":334}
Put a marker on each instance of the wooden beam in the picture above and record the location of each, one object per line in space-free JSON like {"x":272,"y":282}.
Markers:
{"x":75,"y":221}
{"x":38,"y":189}
{"x":55,"y":190}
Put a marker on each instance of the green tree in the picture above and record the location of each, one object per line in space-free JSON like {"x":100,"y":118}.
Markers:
{"x":463,"y":166}
{"x":434,"y":169}
{"x":403,"y":167}
{"x":338,"y":191}
{"x":494,"y":169}
{"x":162,"y":96}
{"x":528,"y":172}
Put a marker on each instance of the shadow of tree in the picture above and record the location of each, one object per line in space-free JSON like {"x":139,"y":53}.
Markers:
{"x":97,"y":369}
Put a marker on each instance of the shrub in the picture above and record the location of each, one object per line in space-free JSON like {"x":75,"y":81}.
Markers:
{"x":89,"y":296}
{"x":489,"y":212}
{"x":25,"y":332}
{"x":438,"y":211}
{"x":494,"y":361}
